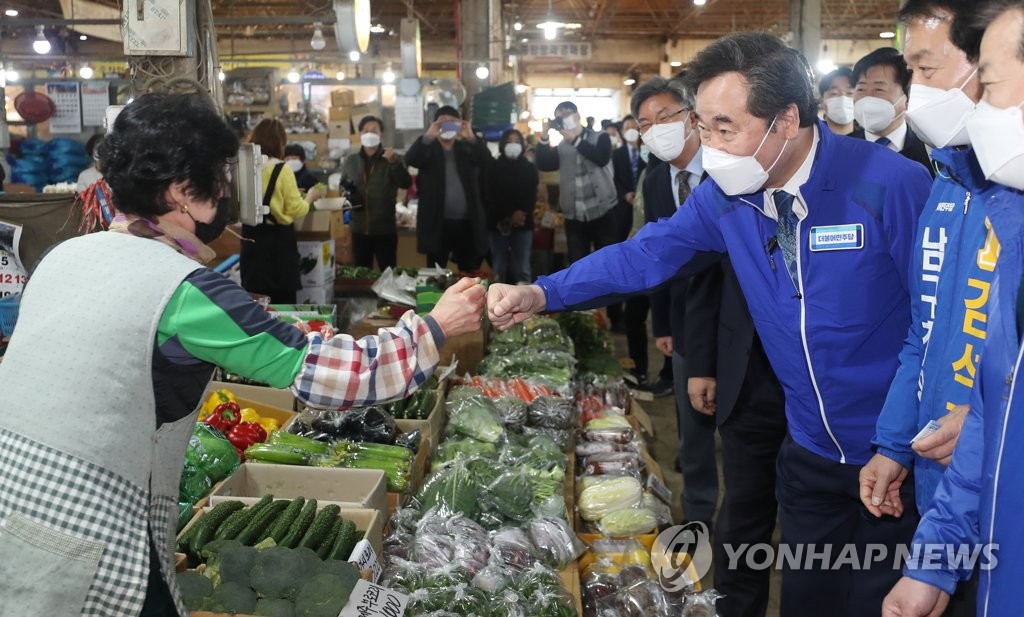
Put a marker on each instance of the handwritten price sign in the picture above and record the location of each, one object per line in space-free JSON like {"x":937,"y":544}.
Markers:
{"x":370,"y":600}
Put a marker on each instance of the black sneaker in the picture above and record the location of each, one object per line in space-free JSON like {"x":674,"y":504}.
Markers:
{"x":660,"y":388}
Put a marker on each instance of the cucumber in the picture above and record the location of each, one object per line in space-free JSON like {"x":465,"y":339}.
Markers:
{"x":284,"y":522}
{"x":345,"y":542}
{"x":261,"y":521}
{"x":305,"y":444}
{"x":328,"y":543}
{"x":380,"y":450}
{"x":320,"y":528}
{"x":298,"y":530}
{"x":208,"y":524}
{"x":277,"y":454}
{"x":237,"y":521}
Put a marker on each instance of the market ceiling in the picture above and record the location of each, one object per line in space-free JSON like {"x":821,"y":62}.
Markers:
{"x":254,"y":20}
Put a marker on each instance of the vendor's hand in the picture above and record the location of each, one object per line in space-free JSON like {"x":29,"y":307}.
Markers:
{"x":912,"y":598}
{"x":518,"y":218}
{"x":939,"y":445}
{"x":664,"y":345}
{"x":511,"y":304}
{"x":703,"y":392}
{"x":433,"y":131}
{"x":460,"y":307}
{"x":880,"y":482}
{"x":466,"y":132}
{"x":389,"y":155}
{"x":313,"y":194}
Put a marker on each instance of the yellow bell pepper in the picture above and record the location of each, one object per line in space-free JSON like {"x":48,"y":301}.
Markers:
{"x":217,"y":397}
{"x":250,"y":415}
{"x":269,"y":424}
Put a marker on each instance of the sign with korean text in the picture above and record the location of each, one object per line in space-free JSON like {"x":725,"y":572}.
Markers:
{"x":371,"y":600}
{"x":559,"y":50}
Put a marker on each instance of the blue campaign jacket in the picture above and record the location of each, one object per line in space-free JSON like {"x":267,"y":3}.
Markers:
{"x":950,"y":279}
{"x":981,"y":496}
{"x":834,"y":341}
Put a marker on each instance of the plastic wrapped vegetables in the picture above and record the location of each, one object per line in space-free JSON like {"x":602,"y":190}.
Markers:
{"x":476,"y":417}
{"x":556,"y":542}
{"x":551,"y":412}
{"x":598,"y":500}
{"x":451,"y":491}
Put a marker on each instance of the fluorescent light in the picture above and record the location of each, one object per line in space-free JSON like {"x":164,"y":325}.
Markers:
{"x":825,"y":65}
{"x":888,"y":34}
{"x":675,"y":64}
{"x":628,"y":82}
{"x":353,"y":55}
{"x":340,"y":75}
{"x":517,"y":26}
{"x":85,"y":72}
{"x":12,"y":75}
{"x":82,"y":37}
{"x":482,"y":72}
{"x":293,"y":75}
{"x":378,"y":29}
{"x":221,"y":76}
{"x":318,"y":41}
{"x":41,"y":45}
{"x":11,"y":12}
{"x":524,"y":40}
{"x":699,"y":2}
{"x":388,"y":76}
{"x":550,"y":33}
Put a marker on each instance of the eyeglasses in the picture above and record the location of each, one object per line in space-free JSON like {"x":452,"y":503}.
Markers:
{"x":663,"y":118}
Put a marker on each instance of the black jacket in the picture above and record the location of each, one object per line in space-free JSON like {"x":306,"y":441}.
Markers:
{"x":623,"y":170}
{"x":721,"y":342}
{"x":471,"y":159}
{"x":510,"y":185}
{"x":913,"y":148}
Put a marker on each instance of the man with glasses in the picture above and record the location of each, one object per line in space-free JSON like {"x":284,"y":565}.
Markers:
{"x":819,"y":229}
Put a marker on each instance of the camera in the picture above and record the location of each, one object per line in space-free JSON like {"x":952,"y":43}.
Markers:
{"x":556,"y":124}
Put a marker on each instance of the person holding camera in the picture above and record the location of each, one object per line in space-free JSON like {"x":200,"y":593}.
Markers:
{"x":372,"y":177}
{"x":450,"y":221}
{"x":586,"y":193}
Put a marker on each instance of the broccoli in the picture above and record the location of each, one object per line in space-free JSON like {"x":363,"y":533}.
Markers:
{"x":231,"y":598}
{"x":310,"y":563}
{"x":275,"y":608}
{"x":323,"y":596}
{"x":233,"y":563}
{"x":344,"y":570}
{"x":194,"y":587}
{"x":277,"y":572}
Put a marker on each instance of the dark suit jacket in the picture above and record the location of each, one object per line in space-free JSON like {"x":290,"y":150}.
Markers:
{"x":622,"y":169}
{"x":913,"y":148}
{"x":721,"y":342}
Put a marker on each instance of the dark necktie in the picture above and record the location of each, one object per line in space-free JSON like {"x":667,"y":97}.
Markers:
{"x":884,"y":141}
{"x":682,"y":186}
{"x":634,"y":160}
{"x":786,"y":233}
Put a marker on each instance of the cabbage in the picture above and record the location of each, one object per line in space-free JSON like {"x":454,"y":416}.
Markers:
{"x":614,"y":494}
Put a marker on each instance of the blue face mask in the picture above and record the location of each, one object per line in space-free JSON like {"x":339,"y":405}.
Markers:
{"x":645,"y":152}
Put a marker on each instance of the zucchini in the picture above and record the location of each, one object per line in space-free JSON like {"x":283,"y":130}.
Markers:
{"x":328,"y":543}
{"x":345,"y":542}
{"x":305,"y":444}
{"x":321,"y":527}
{"x":298,"y":530}
{"x":380,"y":450}
{"x":261,"y":521}
{"x":284,"y":522}
{"x":237,"y":521}
{"x":208,"y":524}
{"x":277,"y":454}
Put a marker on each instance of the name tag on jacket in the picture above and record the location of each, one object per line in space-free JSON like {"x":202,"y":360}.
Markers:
{"x":837,"y":237}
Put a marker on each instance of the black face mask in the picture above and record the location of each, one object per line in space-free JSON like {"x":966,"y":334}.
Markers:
{"x":208,"y":232}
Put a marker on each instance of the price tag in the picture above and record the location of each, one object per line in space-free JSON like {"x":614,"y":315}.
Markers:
{"x":365,"y":557}
{"x":371,"y":600}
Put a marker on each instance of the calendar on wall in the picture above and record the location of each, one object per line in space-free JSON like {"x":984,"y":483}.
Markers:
{"x":95,"y":100}
{"x":65,"y":96}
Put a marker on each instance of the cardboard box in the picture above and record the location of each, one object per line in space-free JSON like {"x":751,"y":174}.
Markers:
{"x":318,"y":294}
{"x":352,"y":488}
{"x":339,"y":129}
{"x":433,"y":426}
{"x":361,"y":111}
{"x":343,"y":97}
{"x":320,"y":224}
{"x":319,"y":141}
{"x":316,"y":264}
{"x":279,"y":398}
{"x":339,"y":114}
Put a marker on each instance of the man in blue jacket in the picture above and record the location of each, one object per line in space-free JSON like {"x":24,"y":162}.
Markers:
{"x":819,"y":229}
{"x":976,"y":507}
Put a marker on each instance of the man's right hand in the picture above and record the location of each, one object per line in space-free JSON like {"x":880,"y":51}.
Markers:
{"x":703,"y":392}
{"x":433,"y":131}
{"x":880,"y":482}
{"x":460,"y":307}
{"x":511,"y":304}
{"x":911,"y":598}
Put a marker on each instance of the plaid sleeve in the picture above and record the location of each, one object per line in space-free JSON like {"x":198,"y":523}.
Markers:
{"x":345,"y":372}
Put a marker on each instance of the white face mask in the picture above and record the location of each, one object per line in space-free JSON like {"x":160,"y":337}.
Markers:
{"x":939,"y":117}
{"x":448,"y":135}
{"x":666,"y":141}
{"x":839,"y":109}
{"x":616,"y":143}
{"x":569,"y":123}
{"x":294,"y":164}
{"x":998,"y":138}
{"x":513,"y":150}
{"x":874,"y":114}
{"x":631,"y":135}
{"x":739,"y":175}
{"x":370,"y":140}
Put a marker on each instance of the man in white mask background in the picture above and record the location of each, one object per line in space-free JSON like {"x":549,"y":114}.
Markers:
{"x":836,"y":89}
{"x":882,"y":82}
{"x":978,"y":501}
{"x":819,"y":229}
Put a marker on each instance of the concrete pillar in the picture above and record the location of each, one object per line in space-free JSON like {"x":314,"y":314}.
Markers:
{"x":805,"y":26}
{"x":475,"y":18}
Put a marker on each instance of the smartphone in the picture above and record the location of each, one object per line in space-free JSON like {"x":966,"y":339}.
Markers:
{"x":556,"y":124}
{"x":451,"y":126}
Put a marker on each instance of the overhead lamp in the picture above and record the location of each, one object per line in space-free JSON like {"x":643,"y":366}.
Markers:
{"x":41,"y":45}
{"x":520,"y":88}
{"x":628,"y":81}
{"x":482,"y":72}
{"x":550,"y":29}
{"x":888,"y":34}
{"x":82,"y":37}
{"x":221,"y":76}
{"x":318,"y":41}
{"x":825,"y":65}
{"x":340,"y":75}
{"x":389,"y":75}
{"x":517,"y":26}
{"x":353,"y":55}
{"x":378,"y":29}
{"x":675,"y":64}
{"x":11,"y":75}
{"x":699,"y":2}
{"x":11,"y":12}
{"x":524,"y":40}
{"x":85,"y":72}
{"x":525,"y":115}
{"x":293,"y":75}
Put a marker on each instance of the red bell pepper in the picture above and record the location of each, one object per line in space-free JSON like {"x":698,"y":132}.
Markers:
{"x":246,"y":434}
{"x":225,"y":417}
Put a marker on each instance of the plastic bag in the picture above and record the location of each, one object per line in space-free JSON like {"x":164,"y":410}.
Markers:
{"x":365,"y":424}
{"x":539,"y":578}
{"x":510,"y":494}
{"x":211,"y":452}
{"x":608,"y":420}
{"x":701,"y":604}
{"x":590,"y":448}
{"x":556,"y":543}
{"x":619,"y":492}
{"x":512,"y":412}
{"x":449,"y":491}
{"x":398,"y":289}
{"x":551,"y":412}
{"x":614,"y":435}
{"x":508,"y":604}
{"x":511,"y":548}
{"x":475,"y":417}
{"x":628,"y":522}
{"x":613,"y":463}
{"x":661,"y":510}
{"x":561,"y":437}
{"x":410,"y":440}
{"x":642,"y":598}
{"x":552,"y":604}
{"x":492,"y":579}
{"x":472,"y":544}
